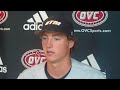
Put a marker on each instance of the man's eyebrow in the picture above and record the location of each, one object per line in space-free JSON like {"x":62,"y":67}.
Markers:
{"x":43,"y":34}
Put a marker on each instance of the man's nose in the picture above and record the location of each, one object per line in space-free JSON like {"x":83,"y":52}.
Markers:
{"x":49,"y":43}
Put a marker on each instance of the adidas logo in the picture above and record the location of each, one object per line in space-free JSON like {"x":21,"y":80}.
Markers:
{"x":91,"y":61}
{"x":2,"y":68}
{"x":36,"y":21}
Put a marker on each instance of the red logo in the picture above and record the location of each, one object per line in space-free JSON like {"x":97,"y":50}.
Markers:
{"x":33,"y":57}
{"x":89,"y":18}
{"x":3,"y":16}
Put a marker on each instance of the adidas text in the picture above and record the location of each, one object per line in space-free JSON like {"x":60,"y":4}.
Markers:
{"x":34,"y":26}
{"x":3,"y":69}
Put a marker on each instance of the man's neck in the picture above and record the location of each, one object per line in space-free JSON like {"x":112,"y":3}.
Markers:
{"x":58,"y":70}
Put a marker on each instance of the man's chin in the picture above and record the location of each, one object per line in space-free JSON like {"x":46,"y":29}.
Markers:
{"x":51,"y":60}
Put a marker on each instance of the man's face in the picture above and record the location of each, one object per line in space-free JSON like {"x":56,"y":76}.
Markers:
{"x":56,"y":46}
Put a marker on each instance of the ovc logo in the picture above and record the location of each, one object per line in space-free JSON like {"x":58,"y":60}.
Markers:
{"x":89,"y":18}
{"x":3,"y":16}
{"x":33,"y":57}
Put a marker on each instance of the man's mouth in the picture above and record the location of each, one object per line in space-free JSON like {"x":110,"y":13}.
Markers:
{"x":50,"y":53}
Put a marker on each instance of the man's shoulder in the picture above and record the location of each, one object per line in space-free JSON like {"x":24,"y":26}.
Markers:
{"x":80,"y":65}
{"x":35,"y":67}
{"x":86,"y":69}
{"x":34,"y":70}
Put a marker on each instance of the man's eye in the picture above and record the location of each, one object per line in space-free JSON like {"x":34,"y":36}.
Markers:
{"x":57,"y":38}
{"x":44,"y":38}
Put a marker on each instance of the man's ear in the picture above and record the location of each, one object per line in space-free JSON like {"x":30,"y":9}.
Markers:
{"x":71,"y":43}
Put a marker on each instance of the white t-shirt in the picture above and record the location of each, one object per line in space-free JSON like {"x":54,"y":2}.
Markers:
{"x":78,"y":71}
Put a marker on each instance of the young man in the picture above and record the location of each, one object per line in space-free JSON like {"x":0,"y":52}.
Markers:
{"x":57,"y":42}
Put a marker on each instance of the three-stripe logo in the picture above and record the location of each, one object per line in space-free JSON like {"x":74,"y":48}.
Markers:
{"x":36,"y":21}
{"x":3,"y":69}
{"x":1,"y":63}
{"x":91,"y":61}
